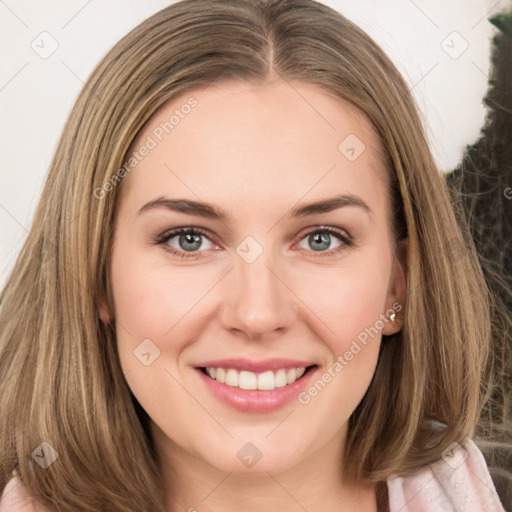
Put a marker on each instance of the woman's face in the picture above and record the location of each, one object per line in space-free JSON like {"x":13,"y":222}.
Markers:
{"x":269,"y":282}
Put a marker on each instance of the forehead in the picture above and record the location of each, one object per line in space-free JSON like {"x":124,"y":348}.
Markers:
{"x":275,"y":141}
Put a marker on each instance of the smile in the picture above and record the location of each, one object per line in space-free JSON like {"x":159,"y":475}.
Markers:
{"x":257,"y":387}
{"x":265,"y":381}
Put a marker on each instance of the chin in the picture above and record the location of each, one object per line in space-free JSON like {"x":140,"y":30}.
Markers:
{"x":252,"y":457}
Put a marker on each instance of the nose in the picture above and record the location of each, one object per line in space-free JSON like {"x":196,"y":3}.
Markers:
{"x":258,"y":301}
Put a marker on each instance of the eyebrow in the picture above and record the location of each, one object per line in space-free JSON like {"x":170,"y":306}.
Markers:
{"x":210,"y":211}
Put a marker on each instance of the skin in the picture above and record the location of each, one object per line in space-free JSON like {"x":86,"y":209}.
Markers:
{"x":256,"y":151}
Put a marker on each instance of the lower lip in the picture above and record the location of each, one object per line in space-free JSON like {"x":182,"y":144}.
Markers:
{"x":255,"y":400}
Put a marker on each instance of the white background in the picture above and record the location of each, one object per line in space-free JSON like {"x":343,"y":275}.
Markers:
{"x":36,"y":94}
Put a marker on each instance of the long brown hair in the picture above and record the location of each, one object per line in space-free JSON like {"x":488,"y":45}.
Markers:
{"x":61,"y":381}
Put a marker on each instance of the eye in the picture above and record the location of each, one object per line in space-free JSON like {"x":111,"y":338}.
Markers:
{"x":185,"y":242}
{"x":320,"y":240}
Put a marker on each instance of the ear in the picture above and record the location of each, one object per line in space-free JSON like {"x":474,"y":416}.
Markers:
{"x":104,"y":312}
{"x":395,"y":300}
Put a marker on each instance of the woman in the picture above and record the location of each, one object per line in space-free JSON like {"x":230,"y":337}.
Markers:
{"x":239,"y":291}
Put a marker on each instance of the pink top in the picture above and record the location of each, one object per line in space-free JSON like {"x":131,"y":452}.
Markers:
{"x":459,"y":481}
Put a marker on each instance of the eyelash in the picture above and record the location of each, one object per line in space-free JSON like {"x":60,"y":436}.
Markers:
{"x":345,"y":238}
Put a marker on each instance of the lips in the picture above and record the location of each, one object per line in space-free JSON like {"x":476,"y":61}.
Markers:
{"x":256,"y":386}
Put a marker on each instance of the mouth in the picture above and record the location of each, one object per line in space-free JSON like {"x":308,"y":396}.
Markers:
{"x":251,"y":381}
{"x":256,"y":392}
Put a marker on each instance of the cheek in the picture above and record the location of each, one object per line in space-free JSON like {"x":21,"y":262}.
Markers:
{"x":152,"y":303}
{"x":348,"y":302}
{"x":349,"y":306}
{"x":351,"y":312}
{"x":150,"y":300}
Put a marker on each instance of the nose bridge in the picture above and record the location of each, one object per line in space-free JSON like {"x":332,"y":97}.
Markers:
{"x":260,"y":302}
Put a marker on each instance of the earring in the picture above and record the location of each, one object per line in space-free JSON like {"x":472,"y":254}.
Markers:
{"x":392,"y":317}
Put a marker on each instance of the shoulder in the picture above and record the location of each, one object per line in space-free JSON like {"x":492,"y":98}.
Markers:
{"x":458,"y":481}
{"x":16,"y":499}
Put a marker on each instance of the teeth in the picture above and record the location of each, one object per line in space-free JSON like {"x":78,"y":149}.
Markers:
{"x":280,"y":378}
{"x":231,"y":378}
{"x":218,"y":374}
{"x":265,"y":381}
{"x":247,"y":380}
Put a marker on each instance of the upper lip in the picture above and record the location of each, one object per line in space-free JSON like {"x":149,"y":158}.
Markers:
{"x":255,"y":366}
